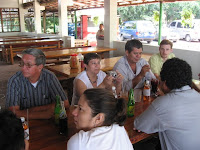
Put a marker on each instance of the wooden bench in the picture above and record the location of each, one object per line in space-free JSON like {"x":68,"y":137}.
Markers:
{"x":11,"y":50}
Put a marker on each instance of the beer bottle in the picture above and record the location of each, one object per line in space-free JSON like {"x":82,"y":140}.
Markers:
{"x":131,"y":104}
{"x":146,"y":90}
{"x":57,"y":110}
{"x":63,"y":121}
{"x":26,"y":129}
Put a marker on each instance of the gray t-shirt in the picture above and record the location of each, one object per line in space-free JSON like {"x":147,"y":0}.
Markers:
{"x":124,"y":68}
{"x":176,"y":117}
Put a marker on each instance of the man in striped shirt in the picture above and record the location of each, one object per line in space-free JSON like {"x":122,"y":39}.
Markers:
{"x":34,"y":88}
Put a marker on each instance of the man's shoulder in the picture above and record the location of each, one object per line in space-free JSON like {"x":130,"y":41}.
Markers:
{"x":172,"y":55}
{"x":155,"y":56}
{"x":17,"y":76}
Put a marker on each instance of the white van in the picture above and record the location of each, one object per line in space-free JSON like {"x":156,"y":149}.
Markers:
{"x":187,"y":33}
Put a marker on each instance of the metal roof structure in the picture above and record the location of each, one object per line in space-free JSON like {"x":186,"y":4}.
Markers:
{"x":52,"y":5}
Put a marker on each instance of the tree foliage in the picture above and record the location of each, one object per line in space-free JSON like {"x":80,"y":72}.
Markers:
{"x":171,"y":11}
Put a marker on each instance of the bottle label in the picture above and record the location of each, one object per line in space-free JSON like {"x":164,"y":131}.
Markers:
{"x":131,"y":111}
{"x":146,"y":92}
{"x":26,"y":134}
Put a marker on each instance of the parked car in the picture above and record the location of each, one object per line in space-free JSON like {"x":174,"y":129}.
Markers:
{"x":141,"y":29}
{"x":188,"y":33}
{"x":167,"y":33}
{"x":71,"y":29}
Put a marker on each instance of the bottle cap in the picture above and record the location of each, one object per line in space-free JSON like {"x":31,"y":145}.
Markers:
{"x":147,"y":82}
{"x":22,"y":119}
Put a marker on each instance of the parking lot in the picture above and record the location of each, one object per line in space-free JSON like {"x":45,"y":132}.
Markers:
{"x":182,"y":44}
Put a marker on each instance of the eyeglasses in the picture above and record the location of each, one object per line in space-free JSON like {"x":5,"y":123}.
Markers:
{"x":22,"y":64}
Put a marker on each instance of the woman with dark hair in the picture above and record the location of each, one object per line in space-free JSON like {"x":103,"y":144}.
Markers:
{"x":93,"y":77}
{"x":100,"y":117}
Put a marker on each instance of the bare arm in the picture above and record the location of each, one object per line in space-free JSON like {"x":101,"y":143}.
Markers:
{"x":80,"y":87}
{"x":194,"y":86}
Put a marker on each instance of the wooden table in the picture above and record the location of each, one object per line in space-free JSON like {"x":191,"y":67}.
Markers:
{"x":44,"y":134}
{"x":107,"y":64}
{"x":67,"y":52}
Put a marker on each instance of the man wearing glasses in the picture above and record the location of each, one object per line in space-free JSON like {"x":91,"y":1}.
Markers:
{"x":134,"y":68}
{"x":34,"y":88}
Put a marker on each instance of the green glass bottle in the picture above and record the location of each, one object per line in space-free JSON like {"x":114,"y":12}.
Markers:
{"x":131,"y":104}
{"x":57,"y":110}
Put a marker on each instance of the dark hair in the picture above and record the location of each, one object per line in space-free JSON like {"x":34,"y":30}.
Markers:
{"x":166,"y":42}
{"x":38,"y":54}
{"x":133,"y":44}
{"x":11,"y":131}
{"x":177,"y":73}
{"x":102,"y":101}
{"x":89,"y":56}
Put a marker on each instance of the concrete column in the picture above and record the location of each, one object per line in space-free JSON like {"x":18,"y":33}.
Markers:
{"x":63,"y":21}
{"x":110,"y":22}
{"x":37,"y":16}
{"x":22,"y":11}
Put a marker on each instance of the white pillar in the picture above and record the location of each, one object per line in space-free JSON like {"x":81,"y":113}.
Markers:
{"x":110,"y":22}
{"x":22,"y":11}
{"x":63,"y":21}
{"x":37,"y":16}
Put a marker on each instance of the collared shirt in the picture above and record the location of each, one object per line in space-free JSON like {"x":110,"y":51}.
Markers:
{"x":22,"y":93}
{"x":100,"y":35}
{"x":124,"y":68}
{"x":176,"y":117}
{"x":156,"y":62}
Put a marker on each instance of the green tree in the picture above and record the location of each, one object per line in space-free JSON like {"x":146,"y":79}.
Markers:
{"x":187,"y":17}
{"x":96,"y":20}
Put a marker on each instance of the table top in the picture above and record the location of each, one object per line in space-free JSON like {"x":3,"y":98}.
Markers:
{"x":44,"y":134}
{"x":4,"y":40}
{"x":67,"y":52}
{"x":107,"y":64}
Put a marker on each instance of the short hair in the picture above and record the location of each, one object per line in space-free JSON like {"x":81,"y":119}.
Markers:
{"x":166,"y":42}
{"x":177,"y":73}
{"x":11,"y":131}
{"x":38,"y":54}
{"x":103,"y":101}
{"x":133,"y":44}
{"x":89,"y":56}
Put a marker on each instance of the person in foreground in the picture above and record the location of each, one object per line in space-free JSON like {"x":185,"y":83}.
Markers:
{"x":165,"y":52}
{"x":34,"y":88}
{"x":100,"y":32}
{"x":11,"y":132}
{"x":100,"y":117}
{"x":176,"y":115}
{"x":133,"y":68}
{"x":93,"y":77}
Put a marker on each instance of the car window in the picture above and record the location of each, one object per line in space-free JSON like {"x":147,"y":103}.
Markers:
{"x":179,"y":25}
{"x":173,"y":24}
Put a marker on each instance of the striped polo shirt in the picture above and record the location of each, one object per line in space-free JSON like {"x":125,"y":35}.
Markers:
{"x":21,"y":92}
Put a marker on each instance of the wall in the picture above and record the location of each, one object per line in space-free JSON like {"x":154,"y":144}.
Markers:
{"x":9,"y":4}
{"x":192,"y":57}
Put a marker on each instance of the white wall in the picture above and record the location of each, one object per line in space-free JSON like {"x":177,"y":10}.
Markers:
{"x":9,"y":3}
{"x":192,"y":57}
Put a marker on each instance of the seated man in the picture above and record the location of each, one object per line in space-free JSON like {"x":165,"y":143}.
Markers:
{"x":133,"y":68}
{"x":176,"y":115}
{"x":165,"y":52}
{"x":34,"y":88}
{"x":100,"y":33}
{"x":11,"y":132}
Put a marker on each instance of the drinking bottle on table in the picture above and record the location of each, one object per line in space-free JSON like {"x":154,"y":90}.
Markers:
{"x":63,"y":121}
{"x":131,"y":104}
{"x":146,"y":90}
{"x":26,"y":129}
{"x":57,"y":110}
